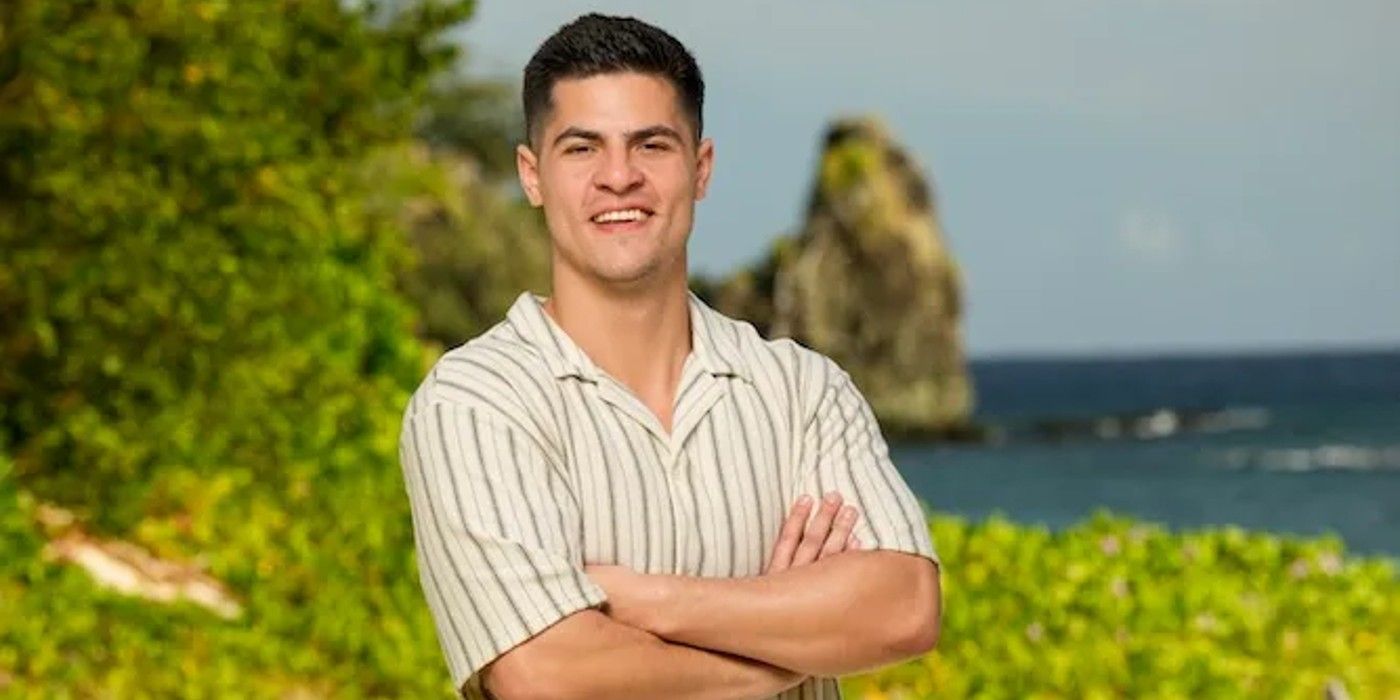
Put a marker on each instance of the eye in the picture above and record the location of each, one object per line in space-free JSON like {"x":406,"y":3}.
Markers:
{"x":656,"y":146}
{"x":578,"y":148}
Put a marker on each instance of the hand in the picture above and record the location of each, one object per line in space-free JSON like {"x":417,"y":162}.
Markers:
{"x":828,"y":533}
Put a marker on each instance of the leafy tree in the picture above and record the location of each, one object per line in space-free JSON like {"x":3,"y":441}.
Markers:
{"x":473,"y":118}
{"x":204,"y":347}
{"x":191,"y":275}
{"x":477,"y":242}
{"x":477,"y":245}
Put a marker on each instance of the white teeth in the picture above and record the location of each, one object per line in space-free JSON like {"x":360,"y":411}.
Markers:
{"x":619,"y":215}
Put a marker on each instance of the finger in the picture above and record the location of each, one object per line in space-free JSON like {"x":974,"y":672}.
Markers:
{"x":841,"y":531}
{"x":790,"y":535}
{"x":817,"y":529}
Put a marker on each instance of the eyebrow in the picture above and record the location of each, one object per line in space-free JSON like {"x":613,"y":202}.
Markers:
{"x":653,"y":132}
{"x":631,"y":136}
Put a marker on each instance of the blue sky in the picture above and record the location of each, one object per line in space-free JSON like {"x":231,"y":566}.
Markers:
{"x":1124,"y":177}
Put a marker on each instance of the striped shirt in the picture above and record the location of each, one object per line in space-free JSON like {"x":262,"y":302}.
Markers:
{"x":523,"y":460}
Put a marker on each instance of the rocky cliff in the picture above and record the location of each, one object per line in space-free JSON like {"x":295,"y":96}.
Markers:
{"x":870,"y":282}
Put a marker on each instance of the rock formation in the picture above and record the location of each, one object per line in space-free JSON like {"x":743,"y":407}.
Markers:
{"x":868,"y":281}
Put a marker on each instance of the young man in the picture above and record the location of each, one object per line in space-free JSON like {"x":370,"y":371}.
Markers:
{"x":601,"y":482}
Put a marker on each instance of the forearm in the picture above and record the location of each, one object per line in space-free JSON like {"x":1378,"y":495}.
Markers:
{"x":839,"y":615}
{"x":604,"y":658}
{"x":654,"y":668}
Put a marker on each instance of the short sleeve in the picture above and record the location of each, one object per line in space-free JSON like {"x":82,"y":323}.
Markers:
{"x":844,"y":451}
{"x":496,"y":533}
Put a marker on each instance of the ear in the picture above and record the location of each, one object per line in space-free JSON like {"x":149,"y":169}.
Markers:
{"x":704,"y":163}
{"x":528,"y":168}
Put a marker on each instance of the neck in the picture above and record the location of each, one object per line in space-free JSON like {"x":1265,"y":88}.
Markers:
{"x":639,"y":336}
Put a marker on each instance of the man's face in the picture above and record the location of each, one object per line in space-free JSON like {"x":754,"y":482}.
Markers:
{"x":618,"y":172}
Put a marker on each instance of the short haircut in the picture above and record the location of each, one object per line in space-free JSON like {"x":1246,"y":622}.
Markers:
{"x":595,"y":44}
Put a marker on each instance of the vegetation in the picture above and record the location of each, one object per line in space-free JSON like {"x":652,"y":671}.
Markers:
{"x":205,"y":351}
{"x":477,"y":250}
{"x":1117,"y":608}
{"x":1108,"y":608}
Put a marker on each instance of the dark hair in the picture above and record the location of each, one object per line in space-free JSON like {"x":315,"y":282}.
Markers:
{"x":595,"y":44}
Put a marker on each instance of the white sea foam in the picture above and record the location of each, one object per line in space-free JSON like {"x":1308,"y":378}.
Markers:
{"x":1317,"y":458}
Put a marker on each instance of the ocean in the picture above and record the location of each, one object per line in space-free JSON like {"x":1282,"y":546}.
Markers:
{"x":1303,"y":443}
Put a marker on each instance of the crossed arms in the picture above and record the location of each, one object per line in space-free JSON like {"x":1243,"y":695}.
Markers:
{"x":518,"y":614}
{"x":812,"y":612}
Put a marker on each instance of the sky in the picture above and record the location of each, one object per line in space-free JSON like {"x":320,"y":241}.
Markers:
{"x":1114,"y":177}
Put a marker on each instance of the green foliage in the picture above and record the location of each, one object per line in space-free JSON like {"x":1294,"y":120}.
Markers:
{"x":1116,"y":608}
{"x":1108,"y":608}
{"x":477,"y":119}
{"x":476,"y":242}
{"x":191,"y":278}
{"x":60,"y":636}
{"x":476,"y":246}
{"x":204,"y":347}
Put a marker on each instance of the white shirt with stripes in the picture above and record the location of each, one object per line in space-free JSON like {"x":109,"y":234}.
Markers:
{"x":523,"y":460}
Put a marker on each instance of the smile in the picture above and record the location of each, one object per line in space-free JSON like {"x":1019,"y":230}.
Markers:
{"x":618,"y":216}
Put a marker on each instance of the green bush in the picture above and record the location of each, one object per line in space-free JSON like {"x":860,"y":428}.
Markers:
{"x":1116,"y":608}
{"x":476,"y":246}
{"x":205,"y":350}
{"x":192,"y":275}
{"x":1108,"y":608}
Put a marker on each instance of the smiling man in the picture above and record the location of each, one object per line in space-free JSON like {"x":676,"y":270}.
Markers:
{"x":615,"y":490}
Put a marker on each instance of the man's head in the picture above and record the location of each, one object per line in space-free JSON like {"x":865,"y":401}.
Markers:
{"x":614,"y":154}
{"x":596,"y":44}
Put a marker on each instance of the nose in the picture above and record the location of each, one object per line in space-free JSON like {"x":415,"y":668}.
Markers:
{"x":617,"y":173}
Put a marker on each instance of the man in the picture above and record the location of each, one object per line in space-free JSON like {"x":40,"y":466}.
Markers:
{"x":601,"y":482}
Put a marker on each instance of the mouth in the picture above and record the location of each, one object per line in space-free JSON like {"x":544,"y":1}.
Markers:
{"x":621,"y":220}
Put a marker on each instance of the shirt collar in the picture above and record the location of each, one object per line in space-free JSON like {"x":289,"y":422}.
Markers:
{"x":711,"y":341}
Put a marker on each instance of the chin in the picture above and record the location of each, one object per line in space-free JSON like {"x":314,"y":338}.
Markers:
{"x":625,"y":277}
{"x":624,"y":265}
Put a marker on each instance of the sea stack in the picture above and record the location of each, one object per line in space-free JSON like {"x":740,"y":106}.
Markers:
{"x":869,"y":281}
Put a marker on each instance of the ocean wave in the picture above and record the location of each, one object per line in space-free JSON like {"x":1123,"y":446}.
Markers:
{"x":1153,"y":425}
{"x":1319,"y":458}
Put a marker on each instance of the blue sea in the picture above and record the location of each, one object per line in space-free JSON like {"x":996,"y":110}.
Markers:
{"x":1305,"y":443}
